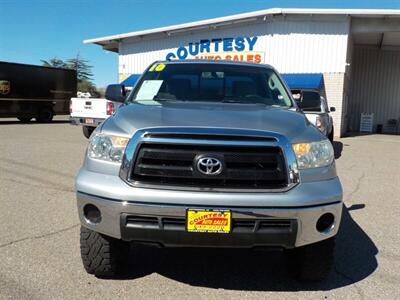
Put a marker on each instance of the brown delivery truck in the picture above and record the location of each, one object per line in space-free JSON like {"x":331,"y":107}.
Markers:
{"x":29,"y":91}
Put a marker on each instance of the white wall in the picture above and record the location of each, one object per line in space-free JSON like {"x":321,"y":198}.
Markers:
{"x":334,"y":92}
{"x":290,"y":45}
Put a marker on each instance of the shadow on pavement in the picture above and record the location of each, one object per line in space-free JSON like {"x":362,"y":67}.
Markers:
{"x":261,"y":270}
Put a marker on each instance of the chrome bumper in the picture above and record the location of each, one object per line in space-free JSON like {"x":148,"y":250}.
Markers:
{"x":306,"y":217}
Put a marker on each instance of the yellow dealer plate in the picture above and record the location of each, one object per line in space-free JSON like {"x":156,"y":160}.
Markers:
{"x":214,"y":221}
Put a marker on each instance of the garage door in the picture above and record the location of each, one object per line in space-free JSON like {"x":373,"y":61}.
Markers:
{"x":375,"y":86}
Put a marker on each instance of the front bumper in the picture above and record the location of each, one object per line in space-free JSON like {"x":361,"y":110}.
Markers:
{"x":302,"y":206}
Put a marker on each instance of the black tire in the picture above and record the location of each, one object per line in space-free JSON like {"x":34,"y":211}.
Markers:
{"x":45,"y":115}
{"x":102,"y":255}
{"x":24,"y":119}
{"x":312,"y":262}
{"x":87,"y":131}
{"x":330,"y":136}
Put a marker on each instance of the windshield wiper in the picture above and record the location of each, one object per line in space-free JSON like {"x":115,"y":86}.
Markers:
{"x":233,"y":101}
{"x":243,"y":102}
{"x":157,"y":98}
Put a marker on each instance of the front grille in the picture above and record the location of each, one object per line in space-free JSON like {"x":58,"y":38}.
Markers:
{"x":142,"y":221}
{"x":244,"y":167}
{"x":261,"y":225}
{"x":238,"y":225}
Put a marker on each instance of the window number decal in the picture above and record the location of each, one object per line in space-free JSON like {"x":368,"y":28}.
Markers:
{"x":160,"y":67}
{"x":157,"y":67}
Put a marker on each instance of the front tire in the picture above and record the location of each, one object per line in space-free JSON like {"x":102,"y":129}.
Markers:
{"x":87,"y":131}
{"x":312,"y":262}
{"x":45,"y":115}
{"x":102,"y":255}
{"x":24,"y":119}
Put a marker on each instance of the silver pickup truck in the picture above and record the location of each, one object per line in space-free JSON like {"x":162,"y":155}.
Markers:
{"x":208,"y":154}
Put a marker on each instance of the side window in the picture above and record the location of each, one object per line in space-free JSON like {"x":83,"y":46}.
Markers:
{"x":311,"y":101}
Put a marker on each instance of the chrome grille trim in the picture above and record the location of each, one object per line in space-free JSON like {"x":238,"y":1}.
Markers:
{"x":156,"y":135}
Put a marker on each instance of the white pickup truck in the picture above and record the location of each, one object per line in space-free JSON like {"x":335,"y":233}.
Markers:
{"x":90,"y":112}
{"x":316,"y":109}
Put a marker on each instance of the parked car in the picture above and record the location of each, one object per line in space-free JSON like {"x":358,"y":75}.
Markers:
{"x":208,"y":154}
{"x":90,"y":112}
{"x":28,"y":91}
{"x":316,"y":109}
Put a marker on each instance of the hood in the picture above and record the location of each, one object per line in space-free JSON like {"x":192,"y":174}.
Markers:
{"x":292,"y":124}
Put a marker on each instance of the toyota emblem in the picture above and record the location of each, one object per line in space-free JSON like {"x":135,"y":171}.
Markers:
{"x":209,"y":166}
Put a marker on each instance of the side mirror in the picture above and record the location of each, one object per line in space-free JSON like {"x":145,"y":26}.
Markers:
{"x":116,"y":93}
{"x":332,"y":109}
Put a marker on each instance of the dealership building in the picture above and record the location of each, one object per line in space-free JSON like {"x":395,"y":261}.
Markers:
{"x":351,"y":56}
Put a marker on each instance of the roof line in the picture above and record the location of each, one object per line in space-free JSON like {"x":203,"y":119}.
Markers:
{"x":236,"y":17}
{"x":184,"y":25}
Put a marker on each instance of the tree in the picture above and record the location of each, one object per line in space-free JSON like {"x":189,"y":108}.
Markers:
{"x":87,"y":86}
{"x":54,"y":62}
{"x":83,"y":69}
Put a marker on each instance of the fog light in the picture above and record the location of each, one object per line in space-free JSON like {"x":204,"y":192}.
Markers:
{"x":92,"y":213}
{"x":325,"y":223}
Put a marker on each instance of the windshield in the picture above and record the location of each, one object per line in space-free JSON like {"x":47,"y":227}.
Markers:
{"x":211,"y":83}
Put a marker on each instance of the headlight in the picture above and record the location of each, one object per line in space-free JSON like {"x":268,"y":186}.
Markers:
{"x":107,"y":147}
{"x":313,"y":155}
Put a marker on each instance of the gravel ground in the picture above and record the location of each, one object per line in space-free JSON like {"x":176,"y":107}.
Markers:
{"x":39,"y":231}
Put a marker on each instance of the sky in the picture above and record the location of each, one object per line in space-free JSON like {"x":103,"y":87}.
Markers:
{"x":31,"y":30}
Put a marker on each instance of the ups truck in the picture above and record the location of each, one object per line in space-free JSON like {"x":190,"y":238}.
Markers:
{"x":29,"y":91}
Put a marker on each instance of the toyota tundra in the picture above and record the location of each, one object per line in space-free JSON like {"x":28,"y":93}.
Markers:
{"x":208,"y":154}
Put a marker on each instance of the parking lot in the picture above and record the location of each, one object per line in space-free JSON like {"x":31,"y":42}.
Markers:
{"x":39,"y":231}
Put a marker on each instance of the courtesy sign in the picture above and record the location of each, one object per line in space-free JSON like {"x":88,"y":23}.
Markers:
{"x":208,"y":221}
{"x":238,"y":48}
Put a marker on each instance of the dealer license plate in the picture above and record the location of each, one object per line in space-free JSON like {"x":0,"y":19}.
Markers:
{"x":89,"y":121}
{"x":214,"y":221}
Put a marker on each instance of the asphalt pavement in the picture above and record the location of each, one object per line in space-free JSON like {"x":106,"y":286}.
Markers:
{"x":39,"y":231}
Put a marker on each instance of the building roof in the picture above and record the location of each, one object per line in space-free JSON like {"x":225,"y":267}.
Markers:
{"x":111,"y":42}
